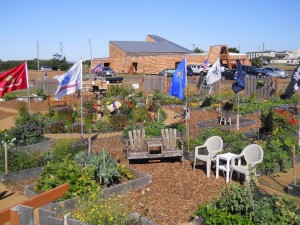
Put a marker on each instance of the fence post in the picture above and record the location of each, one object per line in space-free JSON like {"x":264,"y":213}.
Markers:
{"x":276,"y":86}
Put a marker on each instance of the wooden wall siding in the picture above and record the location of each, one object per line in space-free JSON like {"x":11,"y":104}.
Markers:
{"x":214,"y":53}
{"x":115,"y":51}
{"x":147,"y":64}
{"x":149,"y":39}
{"x":263,"y":92}
{"x":153,"y":63}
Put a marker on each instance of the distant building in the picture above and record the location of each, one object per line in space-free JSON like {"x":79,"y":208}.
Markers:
{"x":289,"y":57}
{"x":156,"y":53}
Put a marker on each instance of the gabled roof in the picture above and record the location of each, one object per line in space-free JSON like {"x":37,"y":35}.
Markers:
{"x":159,"y":45}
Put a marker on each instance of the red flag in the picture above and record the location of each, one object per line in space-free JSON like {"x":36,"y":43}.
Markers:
{"x":13,"y":79}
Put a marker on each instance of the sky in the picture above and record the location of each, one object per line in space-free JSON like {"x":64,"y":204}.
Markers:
{"x":82,"y":29}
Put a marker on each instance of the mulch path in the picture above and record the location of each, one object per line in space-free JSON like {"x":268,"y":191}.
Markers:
{"x":175,"y":191}
{"x":4,"y":114}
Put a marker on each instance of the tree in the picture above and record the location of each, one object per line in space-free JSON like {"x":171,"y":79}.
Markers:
{"x":59,"y":62}
{"x":256,"y":61}
{"x":233,"y":50}
{"x":198,"y":50}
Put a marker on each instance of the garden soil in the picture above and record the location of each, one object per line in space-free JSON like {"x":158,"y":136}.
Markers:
{"x":175,"y":190}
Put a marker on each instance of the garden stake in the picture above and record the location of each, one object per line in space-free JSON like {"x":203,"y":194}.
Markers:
{"x":5,"y":156}
{"x":294,"y":163}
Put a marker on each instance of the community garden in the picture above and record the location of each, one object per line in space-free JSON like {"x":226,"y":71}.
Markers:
{"x":175,"y":194}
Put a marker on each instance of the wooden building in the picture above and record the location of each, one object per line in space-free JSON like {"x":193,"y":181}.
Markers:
{"x":156,"y":53}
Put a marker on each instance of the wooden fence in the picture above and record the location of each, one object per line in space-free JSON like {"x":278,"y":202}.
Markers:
{"x":152,"y":83}
{"x":49,"y":86}
{"x":262,"y":87}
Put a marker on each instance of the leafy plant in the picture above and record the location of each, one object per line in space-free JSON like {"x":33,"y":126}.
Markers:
{"x":234,"y":207}
{"x":40,"y":92}
{"x":67,"y":149}
{"x":29,"y":131}
{"x":79,"y":178}
{"x":20,"y":160}
{"x":66,"y":114}
{"x":104,"y":166}
{"x":9,"y":96}
{"x":93,"y":209}
{"x":153,"y":128}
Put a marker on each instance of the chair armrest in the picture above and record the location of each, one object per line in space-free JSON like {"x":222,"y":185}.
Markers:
{"x":199,"y":147}
{"x":234,"y":158}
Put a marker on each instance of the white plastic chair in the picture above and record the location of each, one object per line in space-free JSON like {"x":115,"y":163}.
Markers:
{"x":253,"y":155}
{"x":213,"y":145}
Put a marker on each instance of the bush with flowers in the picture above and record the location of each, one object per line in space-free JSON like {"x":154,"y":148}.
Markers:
{"x":279,"y":134}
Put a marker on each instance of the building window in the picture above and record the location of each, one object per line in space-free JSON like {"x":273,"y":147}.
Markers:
{"x":135,"y":66}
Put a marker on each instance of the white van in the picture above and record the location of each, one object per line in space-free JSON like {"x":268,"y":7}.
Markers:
{"x":46,"y":68}
{"x":197,"y":68}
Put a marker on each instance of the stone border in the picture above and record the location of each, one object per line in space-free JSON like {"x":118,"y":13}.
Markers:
{"x":294,"y":189}
{"x":21,"y":175}
{"x":142,"y":180}
{"x":42,"y":146}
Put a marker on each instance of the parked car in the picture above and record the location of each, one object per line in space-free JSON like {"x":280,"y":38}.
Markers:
{"x":167,"y":72}
{"x":197,"y":68}
{"x":106,"y":72}
{"x":189,"y":71}
{"x":228,"y":74}
{"x":276,"y":72}
{"x":253,"y":70}
{"x":46,"y":68}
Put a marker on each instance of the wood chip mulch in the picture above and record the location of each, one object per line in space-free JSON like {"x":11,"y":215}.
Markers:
{"x":175,"y":191}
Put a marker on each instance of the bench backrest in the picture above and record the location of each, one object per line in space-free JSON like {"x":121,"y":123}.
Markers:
{"x":169,"y":137}
{"x":137,"y":139}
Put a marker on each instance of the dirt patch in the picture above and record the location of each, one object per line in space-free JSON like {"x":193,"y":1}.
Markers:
{"x":4,"y":114}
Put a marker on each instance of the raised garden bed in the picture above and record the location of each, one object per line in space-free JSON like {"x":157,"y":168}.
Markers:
{"x":141,"y":180}
{"x":294,"y":189}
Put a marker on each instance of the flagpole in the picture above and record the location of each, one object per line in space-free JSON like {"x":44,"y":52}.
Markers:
{"x":81,"y":117}
{"x":28,"y":92}
{"x":187,"y":111}
{"x":238,"y":115}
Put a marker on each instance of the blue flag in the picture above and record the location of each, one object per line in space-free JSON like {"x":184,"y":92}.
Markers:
{"x":239,"y":77}
{"x":178,"y":82}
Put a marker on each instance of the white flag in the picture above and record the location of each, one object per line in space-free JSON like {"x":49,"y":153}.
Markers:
{"x":214,"y":74}
{"x":70,"y":81}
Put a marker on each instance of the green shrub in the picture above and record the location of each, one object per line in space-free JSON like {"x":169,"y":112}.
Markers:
{"x":66,"y":114}
{"x":153,"y":128}
{"x":233,"y":141}
{"x":9,"y":96}
{"x":40,"y":92}
{"x":139,"y":114}
{"x":54,"y":126}
{"x":20,"y":160}
{"x":79,"y":178}
{"x":234,"y":207}
{"x":67,"y":149}
{"x":31,"y":132}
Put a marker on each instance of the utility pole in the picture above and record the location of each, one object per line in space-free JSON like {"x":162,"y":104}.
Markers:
{"x":38,"y":54}
{"x":263,"y":49}
{"x":61,"y":50}
{"x":91,"y":53}
{"x":193,"y":46}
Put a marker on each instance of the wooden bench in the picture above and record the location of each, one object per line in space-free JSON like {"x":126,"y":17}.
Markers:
{"x":52,"y":102}
{"x":138,"y":147}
